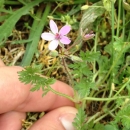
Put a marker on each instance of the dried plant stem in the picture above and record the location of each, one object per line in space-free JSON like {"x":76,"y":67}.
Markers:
{"x":67,"y":72}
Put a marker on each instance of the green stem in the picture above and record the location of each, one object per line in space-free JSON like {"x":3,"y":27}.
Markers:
{"x":95,"y":49}
{"x":123,"y":86}
{"x":110,"y":94}
{"x":118,"y":21}
{"x":101,"y":117}
{"x":93,"y":117}
{"x":113,"y":61}
{"x":61,"y":94}
{"x":123,"y":30}
{"x":68,"y":73}
{"x":110,"y":70}
{"x":117,"y":93}
{"x":111,"y":90}
{"x":113,"y":33}
{"x":104,"y":99}
{"x":58,"y":93}
{"x":76,"y":45}
{"x":58,"y":5}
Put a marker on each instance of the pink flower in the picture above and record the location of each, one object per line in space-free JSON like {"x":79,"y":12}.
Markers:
{"x":88,"y":36}
{"x":56,"y":37}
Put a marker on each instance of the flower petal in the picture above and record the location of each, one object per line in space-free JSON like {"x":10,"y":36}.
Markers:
{"x":53,"y":27}
{"x":65,"y":40}
{"x":53,"y":45}
{"x":48,"y":36}
{"x":65,"y":30}
{"x":88,"y":36}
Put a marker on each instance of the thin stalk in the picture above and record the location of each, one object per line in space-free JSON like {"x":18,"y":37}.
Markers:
{"x":119,"y":16}
{"x":104,"y":99}
{"x":94,"y":117}
{"x":58,"y":5}
{"x":76,"y":45}
{"x":58,"y":93}
{"x":50,"y":70}
{"x":52,"y":67}
{"x":123,"y":86}
{"x":110,"y":70}
{"x":101,"y":117}
{"x":113,"y":21}
{"x":61,"y":94}
{"x":94,"y":64}
{"x":99,"y":92}
{"x":123,"y":30}
{"x":67,"y":72}
{"x":117,"y":93}
{"x":95,"y":49}
{"x":111,"y":90}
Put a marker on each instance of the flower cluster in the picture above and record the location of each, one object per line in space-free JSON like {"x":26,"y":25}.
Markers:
{"x":56,"y":37}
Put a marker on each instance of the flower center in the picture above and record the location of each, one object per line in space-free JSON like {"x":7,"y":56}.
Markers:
{"x":57,"y":36}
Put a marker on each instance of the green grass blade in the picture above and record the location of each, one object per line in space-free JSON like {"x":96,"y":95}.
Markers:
{"x":35,"y":35}
{"x":7,"y":27}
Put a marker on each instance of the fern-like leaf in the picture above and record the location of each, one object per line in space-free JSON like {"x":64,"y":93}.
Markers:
{"x":33,"y":76}
{"x":79,"y":122}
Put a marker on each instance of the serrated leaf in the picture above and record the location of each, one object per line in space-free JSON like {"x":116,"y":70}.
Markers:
{"x":33,"y":76}
{"x":108,"y":48}
{"x":107,"y":4}
{"x":83,"y":87}
{"x":123,"y":116}
{"x":103,"y":64}
{"x":80,"y":69}
{"x":118,"y":44}
{"x":79,"y":120}
{"x":34,"y":89}
{"x":89,"y":56}
{"x":110,"y":127}
{"x":45,"y":92}
{"x":99,"y":126}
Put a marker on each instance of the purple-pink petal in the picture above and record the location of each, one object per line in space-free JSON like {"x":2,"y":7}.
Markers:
{"x":65,"y":30}
{"x":53,"y":45}
{"x":65,"y":40}
{"x":53,"y":27}
{"x":89,"y":36}
{"x":48,"y":36}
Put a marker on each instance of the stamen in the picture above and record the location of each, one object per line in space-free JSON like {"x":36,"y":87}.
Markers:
{"x":57,"y":36}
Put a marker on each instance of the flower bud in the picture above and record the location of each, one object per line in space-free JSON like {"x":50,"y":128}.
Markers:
{"x":84,"y":7}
